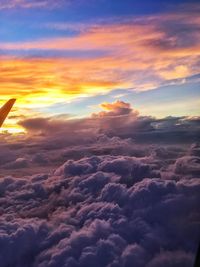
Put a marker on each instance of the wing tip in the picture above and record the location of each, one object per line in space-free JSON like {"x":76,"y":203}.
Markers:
{"x":13,"y":99}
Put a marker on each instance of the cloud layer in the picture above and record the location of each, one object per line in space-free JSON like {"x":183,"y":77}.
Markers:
{"x":112,"y":190}
{"x":106,"y":210}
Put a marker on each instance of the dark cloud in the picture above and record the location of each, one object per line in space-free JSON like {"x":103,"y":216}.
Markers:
{"x":118,"y":119}
{"x":119,"y":130}
{"x":188,"y":165}
{"x":18,"y":163}
{"x":172,"y":259}
{"x":195,"y":150}
{"x":41,"y":124}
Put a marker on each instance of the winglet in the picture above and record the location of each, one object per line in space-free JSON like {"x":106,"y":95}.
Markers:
{"x":4,"y":111}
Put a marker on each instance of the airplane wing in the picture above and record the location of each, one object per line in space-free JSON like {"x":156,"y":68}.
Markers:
{"x":4,"y":111}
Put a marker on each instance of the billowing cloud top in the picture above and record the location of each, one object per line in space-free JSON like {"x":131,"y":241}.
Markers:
{"x":106,"y":210}
{"x":111,"y":190}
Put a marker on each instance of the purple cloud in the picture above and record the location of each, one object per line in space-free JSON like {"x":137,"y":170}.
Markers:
{"x":102,"y":211}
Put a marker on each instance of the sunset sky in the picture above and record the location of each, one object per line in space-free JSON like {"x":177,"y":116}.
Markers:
{"x":68,"y":57}
{"x":100,"y":154}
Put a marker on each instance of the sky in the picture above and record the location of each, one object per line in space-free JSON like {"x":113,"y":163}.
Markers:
{"x":100,"y":155}
{"x":68,"y":57}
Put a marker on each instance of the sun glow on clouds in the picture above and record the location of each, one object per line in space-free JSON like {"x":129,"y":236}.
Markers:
{"x":12,"y":129}
{"x":140,"y":53}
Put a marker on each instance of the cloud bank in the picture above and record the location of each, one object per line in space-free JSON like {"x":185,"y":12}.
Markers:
{"x":74,"y":193}
{"x":117,"y":119}
{"x":117,"y":130}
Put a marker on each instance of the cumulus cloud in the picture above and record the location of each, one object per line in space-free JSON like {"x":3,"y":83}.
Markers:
{"x":18,"y":163}
{"x":188,"y":165}
{"x":115,"y":109}
{"x":117,"y":119}
{"x":76,"y":194}
{"x":118,"y":130}
{"x":104,"y":210}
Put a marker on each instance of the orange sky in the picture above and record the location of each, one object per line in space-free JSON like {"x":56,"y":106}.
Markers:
{"x":132,"y":54}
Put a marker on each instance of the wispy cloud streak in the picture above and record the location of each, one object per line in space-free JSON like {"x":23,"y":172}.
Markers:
{"x":28,"y":4}
{"x":140,"y":53}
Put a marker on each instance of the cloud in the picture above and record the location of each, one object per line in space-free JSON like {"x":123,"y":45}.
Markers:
{"x":18,"y":163}
{"x":188,"y":165}
{"x":118,"y":130}
{"x":118,"y":110}
{"x":102,"y":57}
{"x":115,"y":109}
{"x":26,"y":4}
{"x":102,"y":210}
{"x":71,"y":195}
{"x":195,"y":150}
{"x":118,"y":119}
{"x":179,"y":258}
{"x":38,"y":124}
